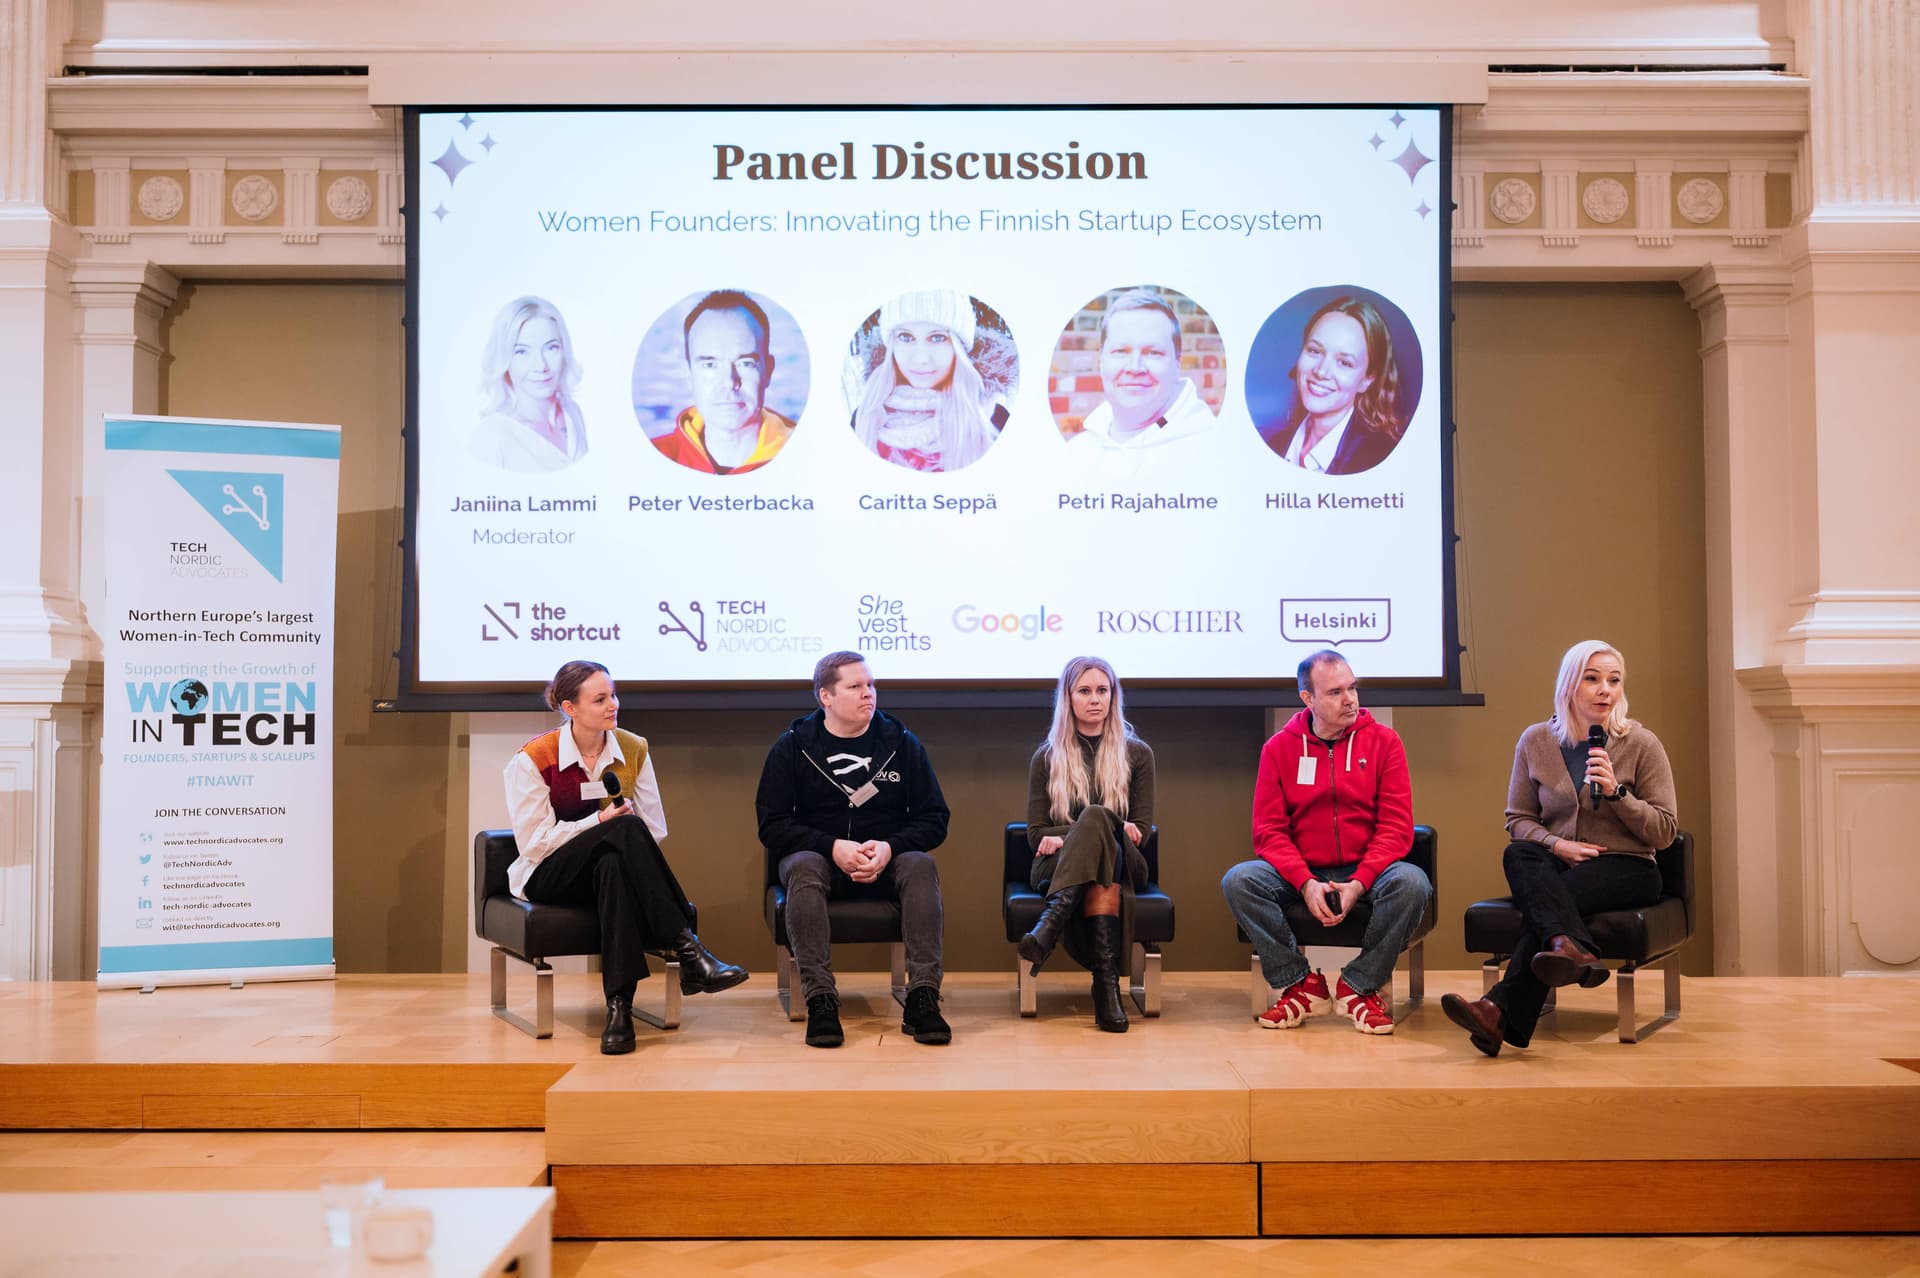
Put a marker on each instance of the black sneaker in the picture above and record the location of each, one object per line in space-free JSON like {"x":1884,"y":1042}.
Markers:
{"x":922,"y":1018}
{"x":823,"y":1021}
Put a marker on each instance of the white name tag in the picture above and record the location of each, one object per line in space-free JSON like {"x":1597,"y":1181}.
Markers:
{"x":593,"y":790}
{"x":1308,"y":770}
{"x":860,"y":796}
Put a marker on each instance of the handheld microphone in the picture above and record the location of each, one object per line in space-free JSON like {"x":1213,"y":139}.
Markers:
{"x":611,"y":780}
{"x":1596,"y":740}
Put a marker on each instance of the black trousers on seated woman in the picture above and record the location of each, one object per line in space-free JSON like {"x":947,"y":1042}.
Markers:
{"x":617,"y":868}
{"x":1552,"y":896}
{"x":1096,"y":852}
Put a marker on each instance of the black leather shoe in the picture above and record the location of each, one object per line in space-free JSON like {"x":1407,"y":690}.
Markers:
{"x":921,"y":1017}
{"x":1037,"y":946}
{"x":1482,"y":1019}
{"x":1565,"y":962}
{"x":1109,"y":1012}
{"x":700,"y":971}
{"x":617,"y":1038}
{"x":823,"y":1021}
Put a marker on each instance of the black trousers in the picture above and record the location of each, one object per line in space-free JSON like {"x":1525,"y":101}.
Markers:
{"x":617,"y":868}
{"x":1552,"y":896}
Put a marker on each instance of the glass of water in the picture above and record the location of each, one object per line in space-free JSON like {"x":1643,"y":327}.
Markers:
{"x":346,"y":1202}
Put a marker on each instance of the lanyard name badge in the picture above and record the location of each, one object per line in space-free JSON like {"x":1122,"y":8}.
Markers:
{"x":855,"y":798}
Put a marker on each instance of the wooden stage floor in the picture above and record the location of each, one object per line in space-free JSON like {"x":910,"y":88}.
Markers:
{"x":1768,"y":1107}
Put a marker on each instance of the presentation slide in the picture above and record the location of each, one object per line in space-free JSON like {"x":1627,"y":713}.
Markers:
{"x":704,"y":395}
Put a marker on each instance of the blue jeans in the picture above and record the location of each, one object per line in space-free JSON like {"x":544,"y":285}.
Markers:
{"x":1258,"y":897}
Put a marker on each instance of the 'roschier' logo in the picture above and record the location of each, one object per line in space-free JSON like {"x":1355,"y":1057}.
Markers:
{"x":1170,"y":621}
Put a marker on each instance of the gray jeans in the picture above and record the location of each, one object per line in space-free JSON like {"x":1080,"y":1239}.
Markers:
{"x":911,"y":878}
{"x":1257,"y":895}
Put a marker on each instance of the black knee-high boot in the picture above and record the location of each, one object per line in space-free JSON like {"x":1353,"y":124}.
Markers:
{"x":1109,"y":1013}
{"x":1037,"y":946}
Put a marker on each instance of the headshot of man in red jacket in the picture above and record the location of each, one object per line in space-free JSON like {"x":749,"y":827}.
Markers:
{"x":1332,"y":824}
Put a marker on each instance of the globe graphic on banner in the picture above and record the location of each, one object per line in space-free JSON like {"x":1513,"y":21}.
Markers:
{"x":188,"y":697}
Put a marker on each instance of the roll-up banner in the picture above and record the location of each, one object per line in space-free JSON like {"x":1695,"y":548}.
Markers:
{"x":216,"y":775}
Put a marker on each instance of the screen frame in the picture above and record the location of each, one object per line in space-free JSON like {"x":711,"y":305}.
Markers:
{"x":414,"y":694}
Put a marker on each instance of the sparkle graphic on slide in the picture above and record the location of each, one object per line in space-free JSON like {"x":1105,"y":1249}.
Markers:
{"x":451,"y":161}
{"x":465,"y":122}
{"x":440,"y":211}
{"x":1412,"y":161}
{"x":1376,"y":141}
{"x":489,"y":143}
{"x":1396,"y":119}
{"x":680,"y":627}
{"x":1423,"y":210}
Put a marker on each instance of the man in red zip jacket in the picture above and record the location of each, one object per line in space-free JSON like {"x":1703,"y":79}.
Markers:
{"x":1332,"y":823}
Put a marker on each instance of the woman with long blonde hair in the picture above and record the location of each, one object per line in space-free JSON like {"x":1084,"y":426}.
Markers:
{"x":934,"y":386}
{"x":1089,"y":807}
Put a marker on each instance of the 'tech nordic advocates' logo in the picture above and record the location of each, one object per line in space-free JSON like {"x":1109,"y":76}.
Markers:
{"x":250,"y":507}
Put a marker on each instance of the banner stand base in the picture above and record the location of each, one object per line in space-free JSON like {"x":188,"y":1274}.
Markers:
{"x":148,"y":982}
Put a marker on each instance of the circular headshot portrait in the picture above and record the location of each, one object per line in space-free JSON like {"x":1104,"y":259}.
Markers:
{"x":720,"y":381}
{"x":1137,"y":368}
{"x":929,"y":379}
{"x":529,"y":420}
{"x":1333,"y":379}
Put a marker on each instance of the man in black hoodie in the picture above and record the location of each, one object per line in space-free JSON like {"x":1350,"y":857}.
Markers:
{"x":849,"y":803}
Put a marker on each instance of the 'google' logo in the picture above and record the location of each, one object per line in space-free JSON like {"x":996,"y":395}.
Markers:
{"x":968,"y":619}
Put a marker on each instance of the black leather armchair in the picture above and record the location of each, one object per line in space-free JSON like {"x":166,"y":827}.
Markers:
{"x":1650,"y":936}
{"x":848,"y":922}
{"x":535,"y":933}
{"x":1020,"y":908}
{"x":1349,"y":931}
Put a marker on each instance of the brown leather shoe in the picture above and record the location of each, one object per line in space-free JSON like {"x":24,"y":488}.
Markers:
{"x":1482,"y":1019}
{"x":1564,"y":962}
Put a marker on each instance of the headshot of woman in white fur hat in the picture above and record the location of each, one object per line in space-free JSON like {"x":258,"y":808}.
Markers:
{"x":929,"y":378}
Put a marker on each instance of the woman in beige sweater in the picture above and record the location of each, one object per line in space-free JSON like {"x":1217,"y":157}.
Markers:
{"x":1585,"y":821}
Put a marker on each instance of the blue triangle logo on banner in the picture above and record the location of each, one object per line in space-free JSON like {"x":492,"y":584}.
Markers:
{"x":248,"y":506}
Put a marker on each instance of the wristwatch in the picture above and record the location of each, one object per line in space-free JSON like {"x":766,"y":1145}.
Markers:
{"x":1619,"y":793}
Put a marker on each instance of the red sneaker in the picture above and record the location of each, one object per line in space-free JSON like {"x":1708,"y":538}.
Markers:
{"x":1305,"y":997}
{"x":1368,"y":1013}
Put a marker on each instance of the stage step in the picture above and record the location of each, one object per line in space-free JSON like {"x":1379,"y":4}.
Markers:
{"x":1003,"y":1200}
{"x":275,"y":1097}
{"x":41,"y":1162}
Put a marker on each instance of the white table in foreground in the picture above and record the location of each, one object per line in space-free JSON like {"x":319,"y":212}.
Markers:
{"x":477,"y":1233}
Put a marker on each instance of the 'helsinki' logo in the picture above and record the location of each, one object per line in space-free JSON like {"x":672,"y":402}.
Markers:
{"x":249,"y":506}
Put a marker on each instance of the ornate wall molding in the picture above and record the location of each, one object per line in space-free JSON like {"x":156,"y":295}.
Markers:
{"x":1630,"y":176}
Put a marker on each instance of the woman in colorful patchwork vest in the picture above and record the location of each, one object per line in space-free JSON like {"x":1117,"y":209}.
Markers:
{"x":587,"y":819}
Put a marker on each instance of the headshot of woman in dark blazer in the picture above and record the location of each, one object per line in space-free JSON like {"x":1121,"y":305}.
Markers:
{"x":1346,"y":413}
{"x":1089,"y":807}
{"x":1586,"y":821}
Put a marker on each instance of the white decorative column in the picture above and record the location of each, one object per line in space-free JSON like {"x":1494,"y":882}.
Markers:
{"x":1747,"y":434}
{"x":1841,"y":685}
{"x":118,"y":352}
{"x":46,"y":704}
